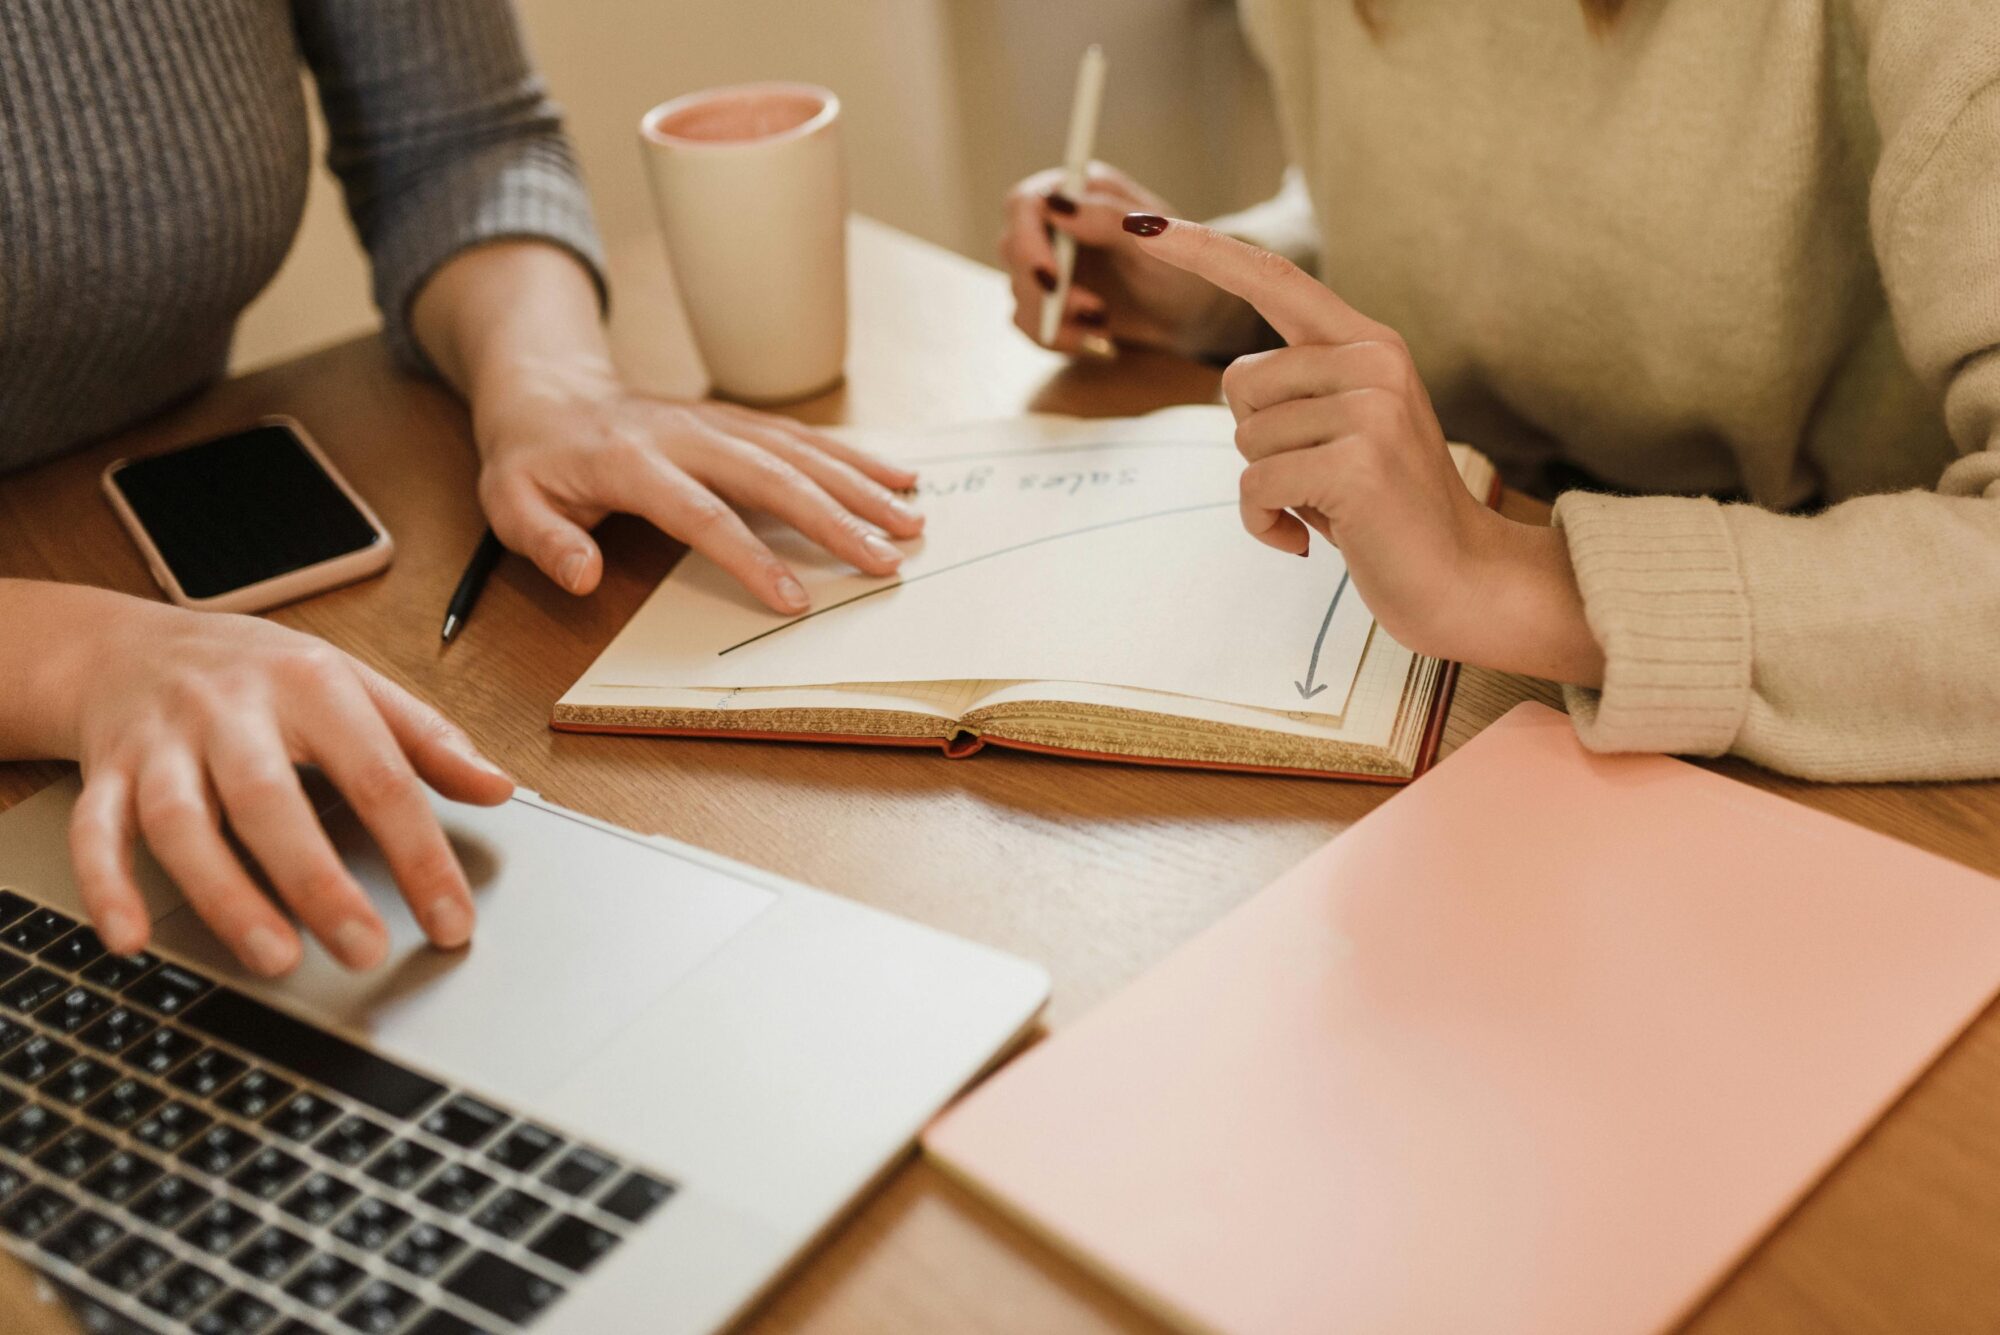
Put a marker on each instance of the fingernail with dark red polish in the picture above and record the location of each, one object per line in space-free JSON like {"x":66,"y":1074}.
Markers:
{"x":1092,"y":319}
{"x":1145,"y":224}
{"x":1046,"y":279}
{"x":1060,"y":203}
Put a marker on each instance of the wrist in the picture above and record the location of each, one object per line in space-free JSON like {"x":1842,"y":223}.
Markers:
{"x":47,"y":682}
{"x":1522,"y":610}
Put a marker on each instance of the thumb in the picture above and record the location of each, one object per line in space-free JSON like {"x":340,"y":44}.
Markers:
{"x":526,"y":522}
{"x":1300,"y":307}
{"x":1096,"y":217}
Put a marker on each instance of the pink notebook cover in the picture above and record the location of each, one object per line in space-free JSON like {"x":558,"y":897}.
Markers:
{"x":1544,"y":1044}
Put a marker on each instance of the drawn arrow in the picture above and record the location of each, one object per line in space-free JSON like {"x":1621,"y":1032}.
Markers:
{"x":1306,"y":689}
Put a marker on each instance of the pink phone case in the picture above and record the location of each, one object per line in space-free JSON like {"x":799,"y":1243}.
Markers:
{"x":275,"y":592}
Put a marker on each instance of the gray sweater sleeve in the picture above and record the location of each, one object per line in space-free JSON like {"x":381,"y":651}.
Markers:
{"x":442,"y":137}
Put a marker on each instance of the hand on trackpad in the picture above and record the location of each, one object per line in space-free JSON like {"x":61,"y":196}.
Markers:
{"x":578,"y":931}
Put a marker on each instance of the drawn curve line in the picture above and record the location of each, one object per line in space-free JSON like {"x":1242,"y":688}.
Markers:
{"x":974,"y":560}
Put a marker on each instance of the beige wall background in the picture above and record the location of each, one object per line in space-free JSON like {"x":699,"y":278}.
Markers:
{"x":947,"y":103}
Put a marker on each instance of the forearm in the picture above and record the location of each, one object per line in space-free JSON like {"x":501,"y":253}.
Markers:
{"x":42,"y":674}
{"x":498,"y":315}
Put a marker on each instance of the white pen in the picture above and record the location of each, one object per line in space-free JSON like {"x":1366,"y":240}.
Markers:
{"x":1076,"y":167}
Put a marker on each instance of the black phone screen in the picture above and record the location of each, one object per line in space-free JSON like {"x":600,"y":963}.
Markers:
{"x":241,"y":509}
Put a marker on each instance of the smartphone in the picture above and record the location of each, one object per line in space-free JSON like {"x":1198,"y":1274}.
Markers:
{"x":247,"y":521}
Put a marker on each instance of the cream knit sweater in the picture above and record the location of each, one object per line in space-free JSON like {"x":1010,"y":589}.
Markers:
{"x":1745,"y":246}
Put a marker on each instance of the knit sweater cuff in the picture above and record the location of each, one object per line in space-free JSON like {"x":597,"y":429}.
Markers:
{"x":506,"y":190}
{"x":1664,"y":595}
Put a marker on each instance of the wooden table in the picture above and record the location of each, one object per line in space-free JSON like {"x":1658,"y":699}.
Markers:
{"x":1097,"y":871}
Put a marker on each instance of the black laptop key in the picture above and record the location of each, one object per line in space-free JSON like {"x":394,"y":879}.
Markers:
{"x":82,"y":1236}
{"x":324,"y":1281}
{"x":219,"y":1227}
{"x":116,"y":1030}
{"x":573,"y":1243}
{"x":36,"y":1060}
{"x":440,"y":1322}
{"x":12,"y":1179}
{"x":636,"y":1197}
{"x":425,"y":1250}
{"x":303,"y":1116}
{"x":352,"y":1141}
{"x":32,"y":989}
{"x":403,"y":1164}
{"x":371,"y":1224}
{"x":579,"y":1171}
{"x":236,"y":1313}
{"x":37,"y":929}
{"x":270,"y":1254}
{"x":169,"y":989}
{"x":523,"y":1147}
{"x":14,"y":906}
{"x":456,"y":1189}
{"x":72,"y":951}
{"x":10,"y":965}
{"x":255,"y":1095}
{"x":121,"y":1177}
{"x":181,"y":1291}
{"x":117,"y":971}
{"x":502,"y":1288}
{"x":124,"y":1103}
{"x":74,"y":1009}
{"x":13,"y":1033}
{"x":27,"y":1130}
{"x":207,"y":1072}
{"x":318,"y":1198}
{"x":465,"y":1121}
{"x":171,"y":1202}
{"x":160,"y":1051}
{"x":323,"y":1058}
{"x":33,"y":1212}
{"x":379,"y":1308}
{"x":73,"y":1153}
{"x":511,"y":1213}
{"x":218,"y":1149}
{"x":79,"y":1082}
{"x":128,"y":1267}
{"x":170,"y":1126}
{"x":10,"y":1102}
{"x":267,"y":1173}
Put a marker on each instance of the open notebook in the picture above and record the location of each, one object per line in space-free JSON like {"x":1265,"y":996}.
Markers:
{"x":1082,"y":586}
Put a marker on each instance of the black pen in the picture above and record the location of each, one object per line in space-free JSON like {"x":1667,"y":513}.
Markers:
{"x":471,"y":582}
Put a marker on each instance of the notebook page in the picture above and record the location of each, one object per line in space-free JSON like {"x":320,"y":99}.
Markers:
{"x":1370,"y":718}
{"x":1056,"y":549}
{"x":942,"y":699}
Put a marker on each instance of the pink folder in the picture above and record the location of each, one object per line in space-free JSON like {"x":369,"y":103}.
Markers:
{"x":1544,"y":1044}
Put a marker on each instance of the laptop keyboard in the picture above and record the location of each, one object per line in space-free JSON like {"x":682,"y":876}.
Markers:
{"x":177,"y":1156}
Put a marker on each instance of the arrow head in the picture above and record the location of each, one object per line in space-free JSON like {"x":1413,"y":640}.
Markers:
{"x":1305,"y":694}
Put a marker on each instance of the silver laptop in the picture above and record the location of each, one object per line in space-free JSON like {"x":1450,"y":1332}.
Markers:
{"x":654,"y":1078}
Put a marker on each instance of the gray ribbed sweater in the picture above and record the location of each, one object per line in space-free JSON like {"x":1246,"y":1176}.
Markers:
{"x":153,"y":166}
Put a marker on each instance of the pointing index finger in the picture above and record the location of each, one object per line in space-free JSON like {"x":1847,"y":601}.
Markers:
{"x":1300,"y":307}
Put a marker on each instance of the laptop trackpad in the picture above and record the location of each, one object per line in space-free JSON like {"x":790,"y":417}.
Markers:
{"x":579,"y":931}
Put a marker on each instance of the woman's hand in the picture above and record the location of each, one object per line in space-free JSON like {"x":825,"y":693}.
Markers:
{"x":187,"y":718}
{"x":1340,"y":435}
{"x":563,"y":442}
{"x":568,"y":444}
{"x":1116,"y":292}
